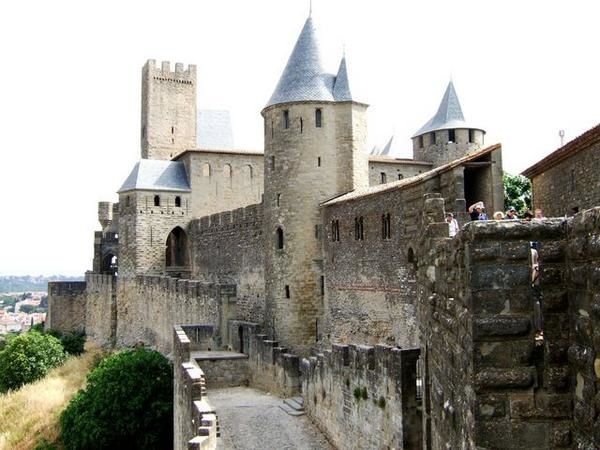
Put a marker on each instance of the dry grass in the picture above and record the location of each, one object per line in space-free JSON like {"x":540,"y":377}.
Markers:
{"x":31,"y":414}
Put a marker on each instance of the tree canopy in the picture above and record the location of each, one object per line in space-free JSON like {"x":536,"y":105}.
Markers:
{"x":517,"y":192}
{"x":127,"y":403}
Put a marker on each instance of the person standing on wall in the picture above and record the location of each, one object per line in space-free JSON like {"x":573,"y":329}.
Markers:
{"x":476,"y":211}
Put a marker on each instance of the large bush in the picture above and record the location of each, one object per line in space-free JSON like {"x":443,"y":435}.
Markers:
{"x":127,"y":403}
{"x":72,"y":341}
{"x":28,"y":357}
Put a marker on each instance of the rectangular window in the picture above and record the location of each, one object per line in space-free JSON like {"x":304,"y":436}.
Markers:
{"x":272,"y":163}
{"x":358,"y":229}
{"x":322,"y":285}
{"x":471,"y":137}
{"x":318,"y":117}
{"x":317,"y":233}
{"x":287,"y":291}
{"x":383,"y":178}
{"x":278,"y":199}
{"x":451,"y":136}
{"x":432,"y":138}
{"x":286,"y":119}
{"x":420,"y":141}
{"x":335,"y":230}
{"x":319,"y":161}
{"x":386,"y":226}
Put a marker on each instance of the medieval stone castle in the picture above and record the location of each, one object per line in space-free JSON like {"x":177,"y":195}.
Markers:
{"x":322,"y":268}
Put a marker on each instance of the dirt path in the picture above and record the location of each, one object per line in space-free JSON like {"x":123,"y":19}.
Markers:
{"x":252,"y":419}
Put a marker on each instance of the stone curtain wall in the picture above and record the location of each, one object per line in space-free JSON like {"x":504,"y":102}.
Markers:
{"x":571,"y":183}
{"x":364,"y":397}
{"x":66,"y":306}
{"x":228,"y":248}
{"x":394,"y":169}
{"x":194,"y":420}
{"x":485,"y":382}
{"x":149,"y":306}
{"x":370,"y":285}
{"x":583,"y":262}
{"x":222,"y":181}
{"x":101,"y":308}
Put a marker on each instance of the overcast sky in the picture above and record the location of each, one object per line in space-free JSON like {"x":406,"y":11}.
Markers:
{"x":70,"y":88}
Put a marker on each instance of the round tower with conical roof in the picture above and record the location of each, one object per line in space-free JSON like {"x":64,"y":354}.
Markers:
{"x":447,"y":136}
{"x":315,"y":135}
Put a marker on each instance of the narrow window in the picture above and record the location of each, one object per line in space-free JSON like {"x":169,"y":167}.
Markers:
{"x":172,"y":130}
{"x":386,"y":226}
{"x":400,"y":176}
{"x":420,"y":141}
{"x":278,"y":199}
{"x":383,"y":178}
{"x":156,"y":200}
{"x":322,"y":285}
{"x":432,"y":138}
{"x":471,"y":136}
{"x":301,"y":124}
{"x":318,"y":117}
{"x":287,"y":291}
{"x":144,"y":131}
{"x":451,"y":136}
{"x":272,"y":163}
{"x":335,"y":230}
{"x":316,"y":231}
{"x":272,"y":129}
{"x":127,"y":201}
{"x":358,"y":229}
{"x":361,"y":229}
{"x":286,"y":119}
{"x":279,"y":238}
{"x":178,"y":202}
{"x":319,"y":161}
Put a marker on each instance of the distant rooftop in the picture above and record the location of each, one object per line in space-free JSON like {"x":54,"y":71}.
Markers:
{"x":304,"y":78}
{"x":214,"y":130}
{"x":157,"y":175}
{"x":448,"y":116}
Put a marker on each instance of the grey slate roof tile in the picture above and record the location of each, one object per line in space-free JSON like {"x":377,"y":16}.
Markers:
{"x":304,"y":78}
{"x":213,"y":129}
{"x":449,"y":114}
{"x":157,"y":175}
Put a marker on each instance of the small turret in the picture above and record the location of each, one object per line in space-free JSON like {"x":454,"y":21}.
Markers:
{"x":446,"y":136}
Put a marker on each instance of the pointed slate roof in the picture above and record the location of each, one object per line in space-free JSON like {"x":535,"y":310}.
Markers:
{"x":304,"y":78}
{"x":449,"y":114}
{"x":157,"y":175}
{"x":341,"y":88}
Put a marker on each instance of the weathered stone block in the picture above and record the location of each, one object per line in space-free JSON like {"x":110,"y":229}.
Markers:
{"x":487,"y":327}
{"x":490,"y":407}
{"x":505,"y":378}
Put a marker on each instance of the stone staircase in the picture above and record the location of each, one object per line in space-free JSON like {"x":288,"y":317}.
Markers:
{"x":293,"y":406}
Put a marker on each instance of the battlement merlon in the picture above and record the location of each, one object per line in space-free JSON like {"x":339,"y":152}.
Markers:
{"x":164,"y":71}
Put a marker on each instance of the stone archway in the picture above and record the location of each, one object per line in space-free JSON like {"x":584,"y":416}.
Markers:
{"x":177,"y":253}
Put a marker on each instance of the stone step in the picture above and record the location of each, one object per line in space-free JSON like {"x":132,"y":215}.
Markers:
{"x":294,"y":403}
{"x":298,"y":400}
{"x":291,"y":411}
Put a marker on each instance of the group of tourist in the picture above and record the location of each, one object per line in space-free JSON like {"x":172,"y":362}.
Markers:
{"x":477,"y":212}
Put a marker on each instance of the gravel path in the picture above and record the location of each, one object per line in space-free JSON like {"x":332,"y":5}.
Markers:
{"x":252,"y":419}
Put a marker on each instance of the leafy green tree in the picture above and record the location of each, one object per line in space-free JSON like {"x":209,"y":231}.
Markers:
{"x":517,"y":192}
{"x":127,"y":403}
{"x":72,"y":341}
{"x":28,"y":357}
{"x":26,"y":308}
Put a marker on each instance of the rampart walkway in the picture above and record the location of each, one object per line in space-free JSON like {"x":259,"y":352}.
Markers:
{"x":251,"y":419}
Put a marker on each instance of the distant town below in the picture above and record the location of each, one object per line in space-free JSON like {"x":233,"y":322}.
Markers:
{"x":29,"y":283}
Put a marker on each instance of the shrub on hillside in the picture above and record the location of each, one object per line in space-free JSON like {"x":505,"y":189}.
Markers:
{"x":127,"y":403}
{"x":72,"y":341}
{"x":28,"y":357}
